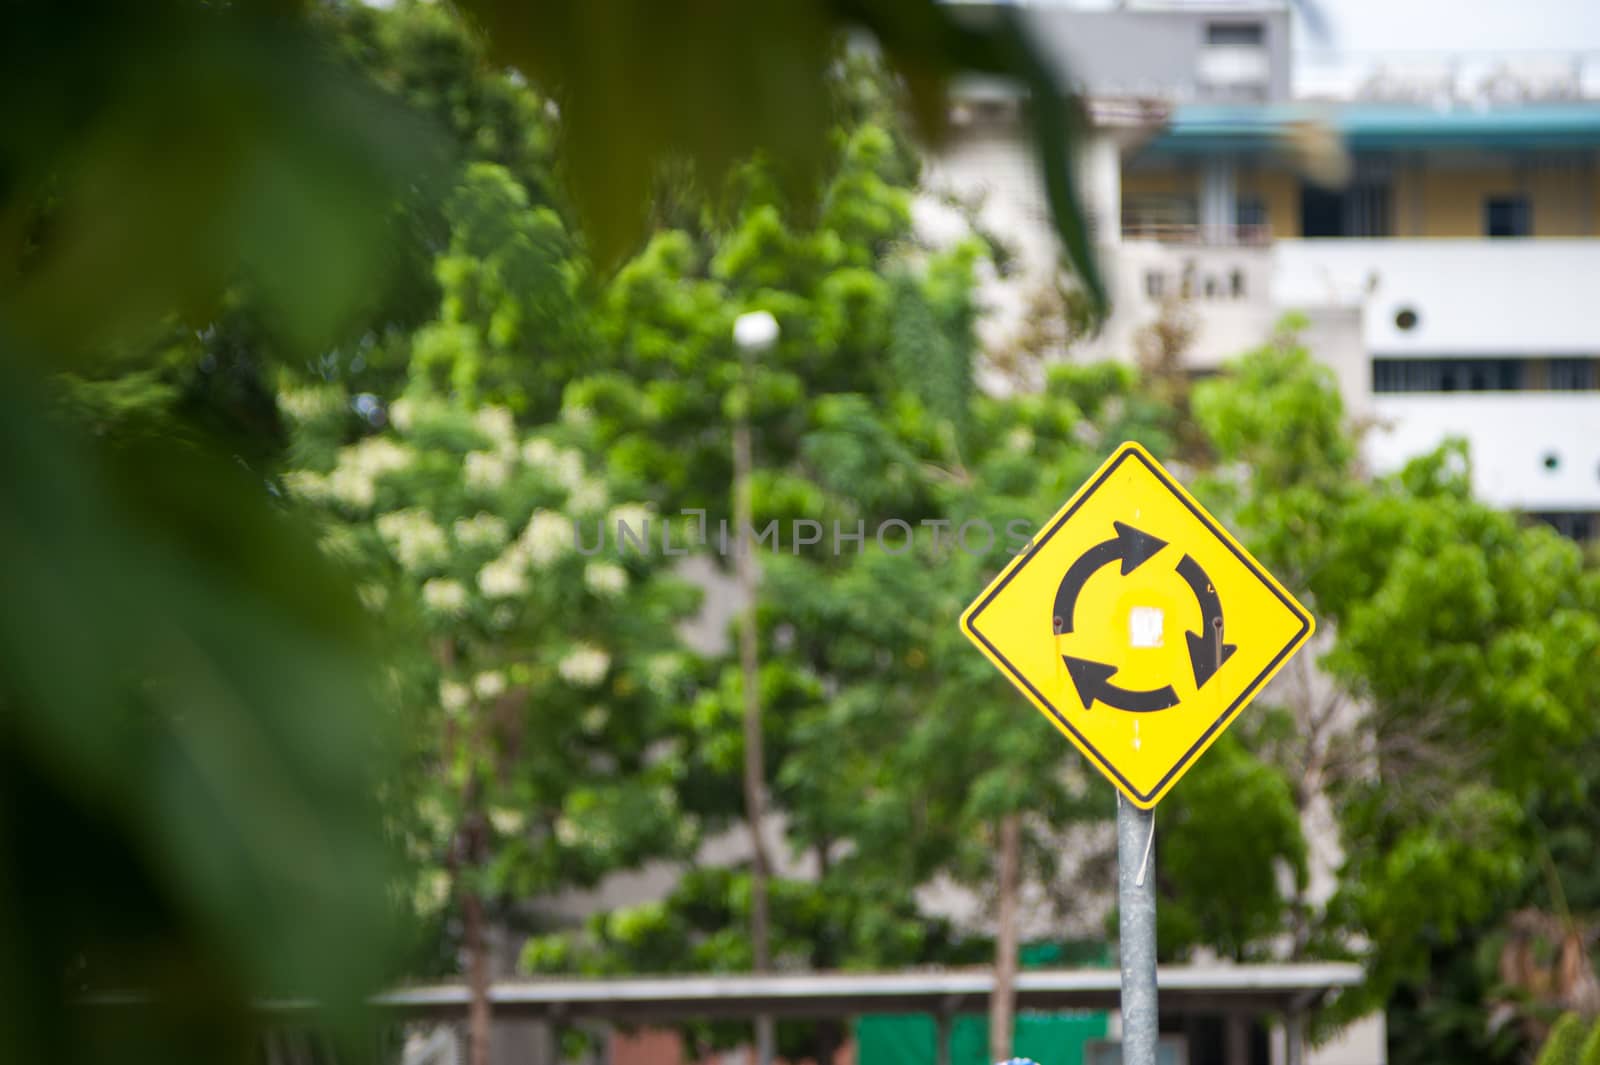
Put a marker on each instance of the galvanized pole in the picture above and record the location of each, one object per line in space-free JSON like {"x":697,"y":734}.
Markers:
{"x":752,"y":333}
{"x":1136,"y":906}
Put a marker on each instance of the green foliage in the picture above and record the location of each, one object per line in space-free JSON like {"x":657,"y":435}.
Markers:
{"x":542,"y":678}
{"x":1466,"y":640}
{"x":1225,"y":839}
{"x":511,"y":327}
{"x":1449,"y":1018}
{"x":282,"y":180}
{"x":629,"y":104}
{"x":193,"y":708}
{"x":191,"y":747}
{"x":1565,"y":1042}
{"x":1589,"y":1053}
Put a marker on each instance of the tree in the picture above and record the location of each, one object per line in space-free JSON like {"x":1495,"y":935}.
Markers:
{"x":1459,"y":639}
{"x":551,"y":670}
{"x":161,"y":622}
{"x":661,"y":408}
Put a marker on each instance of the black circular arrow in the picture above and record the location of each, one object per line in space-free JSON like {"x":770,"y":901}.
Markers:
{"x":1092,"y":680}
{"x":1207,"y":652}
{"x":1130,"y":545}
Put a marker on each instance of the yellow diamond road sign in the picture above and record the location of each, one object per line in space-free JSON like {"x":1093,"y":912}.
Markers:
{"x":1137,"y":625}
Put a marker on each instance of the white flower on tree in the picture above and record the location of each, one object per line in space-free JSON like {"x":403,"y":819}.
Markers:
{"x":605,"y":578}
{"x":355,"y":488}
{"x":506,"y":821}
{"x":589,"y":496}
{"x":403,"y":414}
{"x":560,"y":465}
{"x":307,"y":486}
{"x":445,"y":597}
{"x":353,"y":481}
{"x":413,"y":538}
{"x":497,"y":424}
{"x":584,"y":666}
{"x":485,"y":471}
{"x":635,"y":517}
{"x":568,"y":470}
{"x":433,"y":891}
{"x":454,"y":696}
{"x":506,"y":577}
{"x":546,"y":538}
{"x":376,"y":456}
{"x":539,"y":454}
{"x":490,"y":684}
{"x":309,"y":404}
{"x":481,"y":530}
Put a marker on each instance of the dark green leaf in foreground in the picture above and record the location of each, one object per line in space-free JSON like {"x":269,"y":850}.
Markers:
{"x":640,"y":83}
{"x":189,"y":744}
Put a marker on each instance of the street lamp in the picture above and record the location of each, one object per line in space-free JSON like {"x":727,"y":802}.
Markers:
{"x":755,"y":332}
{"x":752,"y":333}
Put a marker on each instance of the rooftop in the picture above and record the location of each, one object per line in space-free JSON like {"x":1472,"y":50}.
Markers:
{"x":1288,"y":988}
{"x":1208,"y":128}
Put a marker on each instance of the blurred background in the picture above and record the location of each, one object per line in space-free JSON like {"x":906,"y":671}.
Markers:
{"x":331,"y":334}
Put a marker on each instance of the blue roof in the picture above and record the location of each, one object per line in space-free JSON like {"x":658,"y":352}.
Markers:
{"x":1212,"y":128}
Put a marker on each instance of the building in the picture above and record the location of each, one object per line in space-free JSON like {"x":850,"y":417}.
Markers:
{"x":1436,"y":227}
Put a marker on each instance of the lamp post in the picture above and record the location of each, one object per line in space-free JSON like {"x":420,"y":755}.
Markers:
{"x":752,"y":333}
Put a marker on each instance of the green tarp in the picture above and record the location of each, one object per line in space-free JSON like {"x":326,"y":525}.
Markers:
{"x":1048,"y":1038}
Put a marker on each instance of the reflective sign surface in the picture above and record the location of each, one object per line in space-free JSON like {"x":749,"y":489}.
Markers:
{"x":1137,"y":624}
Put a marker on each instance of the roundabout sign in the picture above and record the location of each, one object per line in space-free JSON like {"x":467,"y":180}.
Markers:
{"x":1137,"y":625}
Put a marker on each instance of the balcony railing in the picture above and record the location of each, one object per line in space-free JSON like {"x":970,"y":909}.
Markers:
{"x":1193,"y":234}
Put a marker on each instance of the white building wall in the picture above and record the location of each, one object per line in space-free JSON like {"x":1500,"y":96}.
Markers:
{"x":989,"y":168}
{"x":988,"y":165}
{"x":1510,"y":436}
{"x":1472,"y":297}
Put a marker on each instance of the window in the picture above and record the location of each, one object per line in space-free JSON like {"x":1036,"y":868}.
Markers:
{"x":1573,"y":375}
{"x":1507,"y":216}
{"x":1250,"y":211}
{"x":1448,"y":375}
{"x":1573,"y":524}
{"x":1360,"y":210}
{"x":1236,"y":33}
{"x":1233,"y":62}
{"x":1250,"y":218}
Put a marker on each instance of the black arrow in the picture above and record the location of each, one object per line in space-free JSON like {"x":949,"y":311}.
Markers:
{"x":1093,"y":681}
{"x":1130,"y":545}
{"x":1207,"y":652}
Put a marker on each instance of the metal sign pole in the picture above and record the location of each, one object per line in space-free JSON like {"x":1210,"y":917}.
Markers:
{"x":1136,"y":908}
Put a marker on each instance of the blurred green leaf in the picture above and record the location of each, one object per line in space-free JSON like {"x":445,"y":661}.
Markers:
{"x":171,"y":150}
{"x":192,"y":742}
{"x":642,"y":83}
